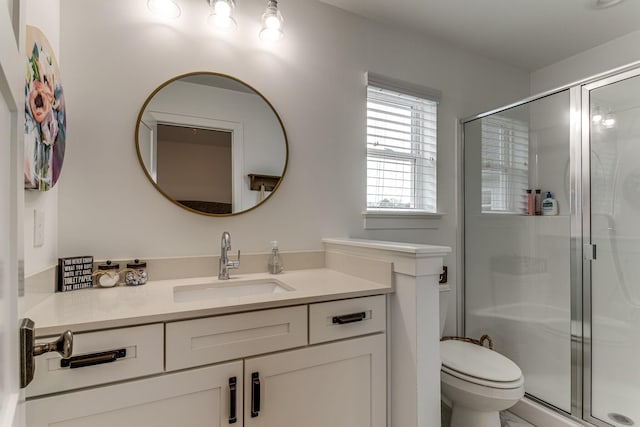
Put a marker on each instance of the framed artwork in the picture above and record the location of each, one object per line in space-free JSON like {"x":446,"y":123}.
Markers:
{"x":45,"y":115}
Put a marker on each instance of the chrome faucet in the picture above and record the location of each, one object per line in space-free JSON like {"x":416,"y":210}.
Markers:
{"x":225,"y":262}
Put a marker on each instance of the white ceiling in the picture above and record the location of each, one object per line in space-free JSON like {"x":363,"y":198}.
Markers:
{"x":529,"y":34}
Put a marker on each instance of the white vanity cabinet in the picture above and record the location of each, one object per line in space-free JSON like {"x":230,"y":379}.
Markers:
{"x":341,"y":384}
{"x":195,"y":398}
{"x":313,"y":365}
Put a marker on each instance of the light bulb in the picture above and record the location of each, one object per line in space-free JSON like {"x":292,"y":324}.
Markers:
{"x":222,"y":22}
{"x":222,"y":8}
{"x":597,"y":118}
{"x":164,"y":8}
{"x":221,"y":16}
{"x":270,"y":35}
{"x":272,"y":23}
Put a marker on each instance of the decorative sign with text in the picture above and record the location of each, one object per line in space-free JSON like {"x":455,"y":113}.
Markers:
{"x":74,"y":273}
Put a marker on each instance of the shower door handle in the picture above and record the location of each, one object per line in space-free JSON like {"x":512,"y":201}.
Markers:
{"x":589,"y":251}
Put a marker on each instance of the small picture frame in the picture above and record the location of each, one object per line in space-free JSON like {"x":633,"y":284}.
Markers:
{"x":74,"y":273}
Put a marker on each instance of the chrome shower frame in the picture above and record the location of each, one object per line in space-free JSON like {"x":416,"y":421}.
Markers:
{"x":580,"y":237}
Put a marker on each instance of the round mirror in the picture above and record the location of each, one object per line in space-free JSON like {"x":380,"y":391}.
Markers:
{"x":211,"y":144}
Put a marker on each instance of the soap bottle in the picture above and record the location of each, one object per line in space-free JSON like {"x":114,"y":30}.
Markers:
{"x":538,"y":202}
{"x":275,"y":260}
{"x":530,"y":203}
{"x":549,"y":205}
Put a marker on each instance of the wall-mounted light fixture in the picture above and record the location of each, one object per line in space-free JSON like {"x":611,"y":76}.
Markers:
{"x":222,"y":14}
{"x":272,"y":23}
{"x":164,"y":8}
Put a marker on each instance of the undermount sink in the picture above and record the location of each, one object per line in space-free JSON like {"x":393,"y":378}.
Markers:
{"x":229,"y":289}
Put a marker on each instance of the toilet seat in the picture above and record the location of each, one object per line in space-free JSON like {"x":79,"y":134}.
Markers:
{"x":478,"y":365}
{"x":504,"y":385}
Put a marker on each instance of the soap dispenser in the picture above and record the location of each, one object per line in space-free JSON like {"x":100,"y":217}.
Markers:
{"x":275,"y":260}
{"x":549,"y":205}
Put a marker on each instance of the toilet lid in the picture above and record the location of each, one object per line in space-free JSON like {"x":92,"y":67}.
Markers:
{"x":479,"y":362}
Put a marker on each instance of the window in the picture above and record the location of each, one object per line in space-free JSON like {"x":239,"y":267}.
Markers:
{"x":505,"y":164}
{"x":401,"y":145}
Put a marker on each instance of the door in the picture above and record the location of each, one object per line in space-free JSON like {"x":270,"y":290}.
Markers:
{"x":11,"y":107}
{"x":612,"y":308}
{"x":517,"y":267}
{"x":341,"y":384}
{"x":200,"y":397}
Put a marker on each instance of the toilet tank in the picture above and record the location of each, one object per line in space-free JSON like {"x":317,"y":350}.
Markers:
{"x":445,"y":290}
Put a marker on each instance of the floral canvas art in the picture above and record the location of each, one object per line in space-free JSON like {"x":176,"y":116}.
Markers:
{"x":45,"y":118}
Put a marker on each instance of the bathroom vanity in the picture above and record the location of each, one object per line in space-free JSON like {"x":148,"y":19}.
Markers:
{"x":309,"y":355}
{"x":354,"y":344}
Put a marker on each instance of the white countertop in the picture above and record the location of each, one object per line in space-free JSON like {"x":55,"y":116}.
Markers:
{"x":92,"y":309}
{"x":411,"y":248}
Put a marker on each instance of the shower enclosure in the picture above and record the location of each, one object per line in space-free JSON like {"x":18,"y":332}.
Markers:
{"x":560,"y":294}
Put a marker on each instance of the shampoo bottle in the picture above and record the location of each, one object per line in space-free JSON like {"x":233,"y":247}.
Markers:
{"x":549,"y":205}
{"x":275,"y":260}
{"x":530,"y":203}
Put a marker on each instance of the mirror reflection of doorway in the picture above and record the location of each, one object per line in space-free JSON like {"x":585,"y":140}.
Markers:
{"x":206,"y":184}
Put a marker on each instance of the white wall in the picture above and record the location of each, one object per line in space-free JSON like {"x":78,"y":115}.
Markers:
{"x":616,"y":53}
{"x":115,"y":54}
{"x":44,"y":14}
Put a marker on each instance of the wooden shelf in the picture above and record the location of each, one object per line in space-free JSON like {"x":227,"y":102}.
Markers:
{"x":258,"y":180}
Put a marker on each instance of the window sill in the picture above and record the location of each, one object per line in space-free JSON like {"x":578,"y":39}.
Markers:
{"x":390,"y":219}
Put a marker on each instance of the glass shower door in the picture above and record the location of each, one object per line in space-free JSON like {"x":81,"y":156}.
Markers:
{"x":612,"y":309}
{"x":517,"y":266}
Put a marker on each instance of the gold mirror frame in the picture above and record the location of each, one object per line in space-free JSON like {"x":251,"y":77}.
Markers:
{"x":167,"y":196}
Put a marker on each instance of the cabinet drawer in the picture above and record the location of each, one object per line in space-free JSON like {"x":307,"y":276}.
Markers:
{"x":143,"y":346}
{"x":346,"y":318}
{"x":214,"y":339}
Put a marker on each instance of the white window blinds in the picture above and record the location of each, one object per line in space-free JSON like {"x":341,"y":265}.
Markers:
{"x":505,"y":164}
{"x":401,"y":147}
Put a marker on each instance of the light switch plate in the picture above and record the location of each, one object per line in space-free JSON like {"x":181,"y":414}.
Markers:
{"x":38,"y":228}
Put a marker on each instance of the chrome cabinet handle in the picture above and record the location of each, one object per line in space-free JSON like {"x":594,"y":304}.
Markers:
{"x":29,"y":349}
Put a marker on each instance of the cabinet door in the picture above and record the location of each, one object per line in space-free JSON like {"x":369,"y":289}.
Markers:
{"x":341,"y":384}
{"x":197,"y":398}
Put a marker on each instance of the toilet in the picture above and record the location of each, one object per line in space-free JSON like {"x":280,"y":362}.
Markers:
{"x":477,"y":382}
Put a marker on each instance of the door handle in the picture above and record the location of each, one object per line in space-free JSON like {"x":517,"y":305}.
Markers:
{"x":29,"y":349}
